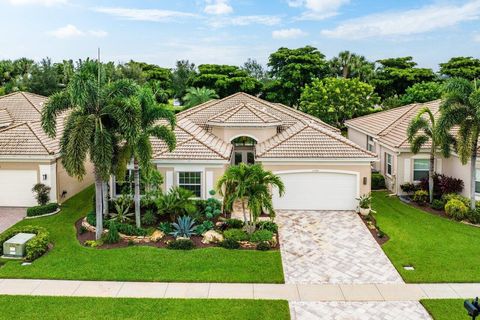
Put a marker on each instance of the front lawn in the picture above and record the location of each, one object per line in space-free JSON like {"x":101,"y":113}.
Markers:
{"x":440,"y":250}
{"x":446,"y":309}
{"x":27,"y":307}
{"x":70,"y":260}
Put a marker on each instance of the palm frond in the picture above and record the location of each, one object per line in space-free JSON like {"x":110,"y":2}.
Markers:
{"x":56,"y":104}
{"x":164,"y":133}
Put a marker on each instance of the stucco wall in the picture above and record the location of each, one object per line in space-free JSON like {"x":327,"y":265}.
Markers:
{"x":453,"y":167}
{"x":70,"y":184}
{"x":260,"y":134}
{"x":361,"y":139}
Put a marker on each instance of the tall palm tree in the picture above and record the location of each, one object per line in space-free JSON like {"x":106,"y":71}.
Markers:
{"x":421,"y":130}
{"x":98,"y":112}
{"x":461,"y":107}
{"x":232,"y":186}
{"x":139,"y":147}
{"x":351,"y":65}
{"x":196,"y":96}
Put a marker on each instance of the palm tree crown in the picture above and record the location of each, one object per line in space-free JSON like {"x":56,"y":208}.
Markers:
{"x":196,"y":96}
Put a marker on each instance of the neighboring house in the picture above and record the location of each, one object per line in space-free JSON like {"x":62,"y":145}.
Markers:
{"x":385,"y":133}
{"x":321,"y":169}
{"x":28,"y":156}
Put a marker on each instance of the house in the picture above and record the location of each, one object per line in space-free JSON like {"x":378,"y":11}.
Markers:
{"x":320,"y":168}
{"x":28,"y":156}
{"x":385,"y":133}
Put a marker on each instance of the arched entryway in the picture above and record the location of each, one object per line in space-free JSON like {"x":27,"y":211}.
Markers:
{"x":243,"y":150}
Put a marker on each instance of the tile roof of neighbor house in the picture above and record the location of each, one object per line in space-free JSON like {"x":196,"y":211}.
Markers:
{"x":303,"y":136}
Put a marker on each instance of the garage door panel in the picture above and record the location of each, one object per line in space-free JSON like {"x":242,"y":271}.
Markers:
{"x":15,"y":188}
{"x":318,"y":191}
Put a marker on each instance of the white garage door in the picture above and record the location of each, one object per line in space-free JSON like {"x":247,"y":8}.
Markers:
{"x":16,"y":188}
{"x":317,"y":191}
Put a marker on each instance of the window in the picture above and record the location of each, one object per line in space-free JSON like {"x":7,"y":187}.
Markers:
{"x":420,"y":169}
{"x":477,"y":181}
{"x":370,"y":144}
{"x":389,"y":164}
{"x":127,"y":184}
{"x":191,"y":181}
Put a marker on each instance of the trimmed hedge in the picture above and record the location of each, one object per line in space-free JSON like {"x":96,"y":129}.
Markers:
{"x":41,"y":210}
{"x":35,"y":247}
{"x":378,"y":181}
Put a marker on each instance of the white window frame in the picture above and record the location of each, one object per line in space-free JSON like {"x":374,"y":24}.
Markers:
{"x":370,"y":144}
{"x":413,"y":168}
{"x":387,"y":156}
{"x":192,"y":184}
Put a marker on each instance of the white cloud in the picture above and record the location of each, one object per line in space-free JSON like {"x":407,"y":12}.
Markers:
{"x":409,"y":22}
{"x":288,"y":33}
{"x":71,"y":31}
{"x":318,"y":9}
{"x":245,"y":21}
{"x":156,"y":15}
{"x":218,"y":7}
{"x":47,"y":3}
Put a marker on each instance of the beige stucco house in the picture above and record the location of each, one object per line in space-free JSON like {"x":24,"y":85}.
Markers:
{"x":28,"y":156}
{"x":320,"y":168}
{"x":385,"y":133}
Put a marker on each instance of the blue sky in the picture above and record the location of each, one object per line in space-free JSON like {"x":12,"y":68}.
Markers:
{"x":230,"y":31}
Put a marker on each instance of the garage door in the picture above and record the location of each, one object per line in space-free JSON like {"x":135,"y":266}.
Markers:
{"x":16,"y":188}
{"x":317,"y":191}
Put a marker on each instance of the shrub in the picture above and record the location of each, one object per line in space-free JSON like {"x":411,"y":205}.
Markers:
{"x":234,"y":224}
{"x":437,"y":204}
{"x":83,"y":230}
{"x":181,"y":244}
{"x":447,"y":197}
{"x":420,"y":197}
{"x":473,"y":216}
{"x":409,"y":187}
{"x":149,"y":218}
{"x":456,"y":209}
{"x":364,"y":201}
{"x":204,"y":227}
{"x":184,"y":227}
{"x":261,"y":235}
{"x":92,"y":220}
{"x":112,"y":235}
{"x":235,"y":234}
{"x":35,"y":247}
{"x":93,"y":243}
{"x":268,"y":225}
{"x":42,"y":193}
{"x":41,"y":210}
{"x":213,"y":208}
{"x":378,"y":181}
{"x":165,"y":227}
{"x":229,"y":244}
{"x":130,"y":230}
{"x":443,"y":184}
{"x":263,"y":246}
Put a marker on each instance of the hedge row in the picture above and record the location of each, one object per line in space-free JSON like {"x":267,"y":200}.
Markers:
{"x":41,"y":210}
{"x":35,"y":247}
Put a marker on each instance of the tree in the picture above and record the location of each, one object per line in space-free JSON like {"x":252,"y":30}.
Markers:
{"x":351,"y":65}
{"x":196,"y":96}
{"x":335,"y":100}
{"x":461,"y":107}
{"x":44,"y":79}
{"x":182,"y":75}
{"x":461,"y":67}
{"x":139,"y":147}
{"x":422,"y":92}
{"x":422,"y":130}
{"x":99,"y":112}
{"x":292,"y":70}
{"x":255,"y":70}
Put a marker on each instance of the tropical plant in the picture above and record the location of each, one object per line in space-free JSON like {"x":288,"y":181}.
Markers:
{"x":423,"y":129}
{"x":236,"y":235}
{"x":229,"y":244}
{"x":165,"y":227}
{"x":100,"y":110}
{"x":268,"y":225}
{"x":420,"y":197}
{"x":204,"y":227}
{"x":181,"y":244}
{"x":261,"y":235}
{"x":176,"y":202}
{"x":422,"y":92}
{"x":139,"y":148}
{"x":112,"y":235}
{"x":263,"y":246}
{"x":42,"y":193}
{"x":122,"y":207}
{"x":461,"y":107}
{"x":351,"y":65}
{"x":196,"y":96}
{"x":184,"y":227}
{"x":364,"y":201}
{"x":149,"y":218}
{"x":456,"y":209}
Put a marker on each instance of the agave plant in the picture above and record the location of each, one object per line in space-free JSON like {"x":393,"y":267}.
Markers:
{"x":184,"y":227}
{"x":122,"y":206}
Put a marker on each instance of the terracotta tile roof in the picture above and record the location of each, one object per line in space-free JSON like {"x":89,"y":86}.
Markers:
{"x":5,"y":118}
{"x":245,"y":114}
{"x":23,"y":106}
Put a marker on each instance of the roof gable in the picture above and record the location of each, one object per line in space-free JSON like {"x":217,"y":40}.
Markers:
{"x":23,"y":106}
{"x":245,"y":114}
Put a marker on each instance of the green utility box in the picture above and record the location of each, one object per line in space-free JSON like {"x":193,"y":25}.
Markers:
{"x":15,"y":246}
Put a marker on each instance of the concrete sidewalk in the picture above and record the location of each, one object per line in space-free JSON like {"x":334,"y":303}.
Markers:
{"x":290,"y":292}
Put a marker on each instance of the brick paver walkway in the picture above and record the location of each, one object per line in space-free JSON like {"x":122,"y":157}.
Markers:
{"x":10,"y":216}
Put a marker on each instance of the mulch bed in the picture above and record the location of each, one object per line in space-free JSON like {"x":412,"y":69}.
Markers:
{"x":374,"y":232}
{"x":427,"y":208}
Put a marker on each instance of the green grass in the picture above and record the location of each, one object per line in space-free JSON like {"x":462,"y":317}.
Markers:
{"x":27,"y":307}
{"x":446,"y":309}
{"x":441,"y":250}
{"x":70,"y":260}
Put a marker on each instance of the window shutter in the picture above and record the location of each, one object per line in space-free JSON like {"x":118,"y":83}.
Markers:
{"x":209,"y":182}
{"x":168,"y":180}
{"x":407,"y":170}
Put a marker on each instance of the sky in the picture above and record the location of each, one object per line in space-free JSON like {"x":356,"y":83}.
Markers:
{"x":231,"y":31}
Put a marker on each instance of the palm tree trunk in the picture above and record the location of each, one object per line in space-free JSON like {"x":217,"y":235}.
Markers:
{"x":473,"y":162}
{"x":136,"y":177}
{"x":105,"y":198}
{"x":98,"y":206}
{"x":244,"y":212}
{"x":430,"y":175}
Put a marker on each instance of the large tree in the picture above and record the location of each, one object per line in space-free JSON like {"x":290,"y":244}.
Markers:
{"x":182,"y":75}
{"x":461,"y":107}
{"x":351,"y":65}
{"x":255,"y":70}
{"x":292,"y":70}
{"x":44,"y":78}
{"x":422,"y":92}
{"x":98,"y":112}
{"x":335,"y":100}
{"x":462,"y":67}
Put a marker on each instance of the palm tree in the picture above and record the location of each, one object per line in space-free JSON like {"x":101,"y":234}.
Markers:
{"x":351,"y":65}
{"x":196,"y":96}
{"x":233,"y":186}
{"x":461,"y":107}
{"x":421,"y":130}
{"x":98,"y":112}
{"x":139,"y":147}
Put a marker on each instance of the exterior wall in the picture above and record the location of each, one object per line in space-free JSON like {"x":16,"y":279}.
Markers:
{"x":453,"y":167}
{"x":258,"y":133}
{"x":70,"y":184}
{"x":404,"y":167}
{"x":360,"y":138}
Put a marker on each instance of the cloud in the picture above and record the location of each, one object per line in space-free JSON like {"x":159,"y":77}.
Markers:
{"x":217,"y":7}
{"x":47,"y":3}
{"x":408,"y":22}
{"x":288,"y":33}
{"x":317,"y":9}
{"x":155,"y":15}
{"x":245,"y":21}
{"x":71,"y":31}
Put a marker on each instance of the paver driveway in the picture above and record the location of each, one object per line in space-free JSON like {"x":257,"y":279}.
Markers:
{"x":331,"y":247}
{"x":10,"y":216}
